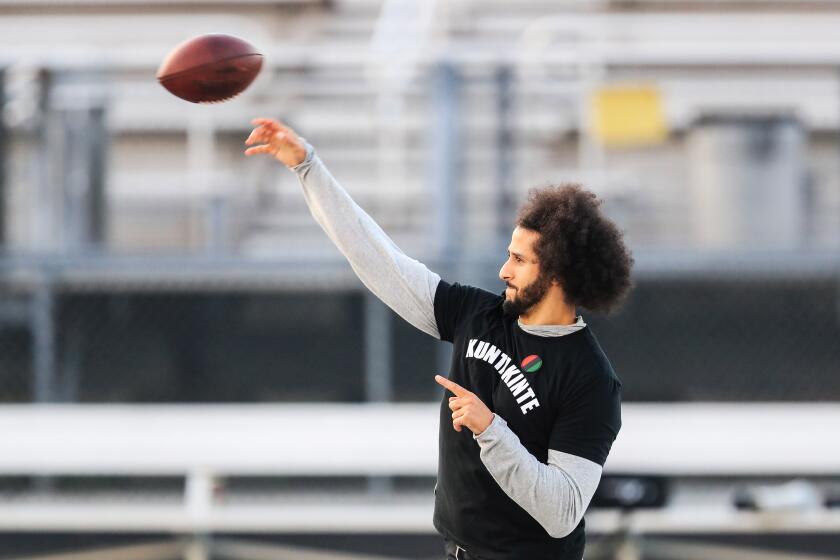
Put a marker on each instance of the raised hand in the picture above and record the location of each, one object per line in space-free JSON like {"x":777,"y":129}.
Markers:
{"x":276,"y":139}
{"x":467,"y":409}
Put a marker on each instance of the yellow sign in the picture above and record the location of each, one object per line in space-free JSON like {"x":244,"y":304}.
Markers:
{"x":627,"y":116}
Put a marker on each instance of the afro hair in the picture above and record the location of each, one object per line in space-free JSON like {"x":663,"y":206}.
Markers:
{"x":579,"y":247}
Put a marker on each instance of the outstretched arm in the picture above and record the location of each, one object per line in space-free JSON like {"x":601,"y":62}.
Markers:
{"x":404,"y":284}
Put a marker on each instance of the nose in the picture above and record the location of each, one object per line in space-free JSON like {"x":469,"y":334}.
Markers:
{"x":504,"y":272}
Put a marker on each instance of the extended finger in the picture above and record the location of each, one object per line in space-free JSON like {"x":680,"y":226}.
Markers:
{"x":272,"y":124}
{"x":261,"y":149}
{"x":264,"y":134}
{"x":452,"y":386}
{"x":265,"y":125}
{"x":259,"y":134}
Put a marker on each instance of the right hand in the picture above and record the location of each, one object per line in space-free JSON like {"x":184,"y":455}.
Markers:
{"x":276,"y":139}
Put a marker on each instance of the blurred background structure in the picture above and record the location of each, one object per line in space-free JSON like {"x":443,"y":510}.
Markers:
{"x":189,"y":369}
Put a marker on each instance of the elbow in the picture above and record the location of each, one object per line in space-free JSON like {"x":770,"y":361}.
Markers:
{"x":559,"y":528}
{"x":560,"y":532}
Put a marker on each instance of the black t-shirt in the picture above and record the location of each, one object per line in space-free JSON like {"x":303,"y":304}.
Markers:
{"x":557,"y":393}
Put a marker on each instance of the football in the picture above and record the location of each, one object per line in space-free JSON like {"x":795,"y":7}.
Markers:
{"x":210,"y":68}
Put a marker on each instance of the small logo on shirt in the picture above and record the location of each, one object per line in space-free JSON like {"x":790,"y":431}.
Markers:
{"x":531,"y":363}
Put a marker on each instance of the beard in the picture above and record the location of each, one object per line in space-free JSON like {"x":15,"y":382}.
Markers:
{"x":526,"y":298}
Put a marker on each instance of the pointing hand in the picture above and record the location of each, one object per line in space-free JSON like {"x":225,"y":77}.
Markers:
{"x":467,"y":409}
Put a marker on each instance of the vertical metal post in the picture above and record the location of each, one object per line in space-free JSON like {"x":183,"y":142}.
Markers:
{"x":198,"y":548}
{"x":97,"y":158}
{"x":444,"y":174}
{"x":42,"y":222}
{"x":74,"y":141}
{"x":378,"y":375}
{"x":218,"y":225}
{"x":69,"y":368}
{"x":504,"y":155}
{"x":43,"y":336}
{"x":445,"y":161}
{"x":378,"y":346}
{"x":3,"y":155}
{"x":75,"y":178}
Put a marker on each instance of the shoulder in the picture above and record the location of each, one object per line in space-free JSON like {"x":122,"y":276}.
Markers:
{"x":464,"y":298}
{"x":591,"y":375}
{"x":456,"y":304}
{"x":592,"y":361}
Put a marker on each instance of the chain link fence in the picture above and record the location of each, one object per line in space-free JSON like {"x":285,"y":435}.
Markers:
{"x":691,"y":337}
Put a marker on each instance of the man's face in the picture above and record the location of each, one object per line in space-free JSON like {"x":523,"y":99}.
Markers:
{"x":525,"y":285}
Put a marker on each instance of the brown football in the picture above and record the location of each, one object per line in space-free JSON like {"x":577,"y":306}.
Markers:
{"x":210,"y":68}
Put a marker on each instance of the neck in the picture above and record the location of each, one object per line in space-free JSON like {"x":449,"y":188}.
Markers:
{"x":551,"y":310}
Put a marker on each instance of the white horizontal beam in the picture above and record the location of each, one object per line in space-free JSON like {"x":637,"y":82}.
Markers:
{"x":246,"y":440}
{"x":728,"y":439}
{"x":398,"y":439}
{"x":727,"y":53}
{"x":392,"y":516}
{"x":331,"y":515}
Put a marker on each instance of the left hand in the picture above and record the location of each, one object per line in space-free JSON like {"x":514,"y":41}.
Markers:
{"x":467,"y":409}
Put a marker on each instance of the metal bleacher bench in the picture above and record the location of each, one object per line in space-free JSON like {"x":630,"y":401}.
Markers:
{"x":205,"y":442}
